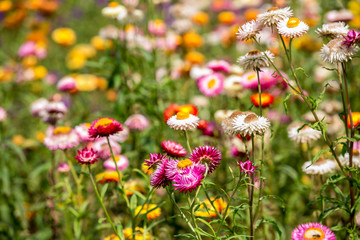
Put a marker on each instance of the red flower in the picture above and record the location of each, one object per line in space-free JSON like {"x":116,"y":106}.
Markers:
{"x":174,"y":108}
{"x":355,"y":118}
{"x":170,"y":111}
{"x":104,"y":127}
{"x":266,"y":99}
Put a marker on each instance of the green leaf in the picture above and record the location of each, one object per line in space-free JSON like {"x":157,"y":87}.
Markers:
{"x":203,"y":233}
{"x":287,"y":99}
{"x":133,"y":203}
{"x":120,"y":230}
{"x":272,"y":222}
{"x":103,"y":190}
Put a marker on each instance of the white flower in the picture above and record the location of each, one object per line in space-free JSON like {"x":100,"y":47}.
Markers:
{"x":292,"y":27}
{"x":305,"y":135}
{"x":333,"y":30}
{"x":335,"y":51}
{"x":274,"y":15}
{"x":249,"y":30}
{"x":355,"y":160}
{"x":250,"y":124}
{"x":197,"y":72}
{"x":113,"y":10}
{"x":226,"y":117}
{"x":321,"y":167}
{"x":183,"y":121}
{"x":255,"y":59}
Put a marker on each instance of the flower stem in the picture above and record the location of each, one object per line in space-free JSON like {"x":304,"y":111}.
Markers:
{"x":187,"y":141}
{"x":192,"y":213}
{"x":101,"y":202}
{"x":259,"y":89}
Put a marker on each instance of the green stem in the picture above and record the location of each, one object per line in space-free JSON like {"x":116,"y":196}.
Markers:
{"x":187,"y":141}
{"x":192,"y":213}
{"x":259,"y":89}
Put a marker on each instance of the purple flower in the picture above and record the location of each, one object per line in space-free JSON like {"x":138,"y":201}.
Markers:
{"x":207,"y":155}
{"x":247,"y":167}
{"x":173,"y":149}
{"x":351,"y":38}
{"x":87,"y":156}
{"x":189,"y":179}
{"x":155,"y":158}
{"x":312,"y":231}
{"x":158,"y":178}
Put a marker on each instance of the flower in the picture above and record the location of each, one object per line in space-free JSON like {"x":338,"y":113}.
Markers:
{"x":292,"y":27}
{"x":192,"y":40}
{"x":321,"y":167}
{"x":107,"y":176}
{"x":335,"y":51}
{"x":64,"y":36}
{"x":157,"y":27}
{"x":82,"y":131}
{"x":249,"y":124}
{"x":247,"y":167}
{"x":227,"y":17}
{"x":173,"y":149}
{"x":255,"y":59}
{"x":183,"y":121}
{"x":67,"y":84}
{"x":333,"y":30}
{"x":207,"y":155}
{"x":189,"y":179}
{"x":211,"y":85}
{"x":137,"y":122}
{"x":227,"y":122}
{"x":210,"y":210}
{"x":274,"y":15}
{"x":351,"y":38}
{"x":38,"y":108}
{"x":309,"y":231}
{"x":104,"y":127}
{"x":267,"y":79}
{"x":196,"y":72}
{"x":113,"y":10}
{"x":343,"y":15}
{"x":249,"y":30}
{"x":122,"y":163}
{"x":305,"y":135}
{"x":150,"y":210}
{"x":87,"y":156}
{"x":54,"y":111}
{"x":63,"y":168}
{"x":219,"y":66}
{"x":61,"y":138}
{"x":266,"y":99}
{"x":139,"y":234}
{"x":102,"y":148}
{"x":155,"y":158}
{"x":158,"y":178}
{"x":355,"y":119}
{"x":355,"y":160}
{"x":3,"y":114}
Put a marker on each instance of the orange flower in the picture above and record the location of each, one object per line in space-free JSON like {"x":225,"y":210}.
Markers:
{"x":14,"y":19}
{"x":107,"y":176}
{"x":266,"y":99}
{"x":150,"y":210}
{"x":5,"y":5}
{"x":192,"y":40}
{"x":355,"y":118}
{"x":209,"y":211}
{"x":227,"y":17}
{"x":201,"y":18}
{"x":195,"y":57}
{"x":251,"y":14}
{"x":64,"y":36}
{"x":174,"y":109}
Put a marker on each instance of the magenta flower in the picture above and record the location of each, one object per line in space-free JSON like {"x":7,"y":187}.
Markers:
{"x":267,"y":80}
{"x":219,"y":66}
{"x":189,"y":179}
{"x":66,"y":84}
{"x":207,"y":155}
{"x":158,"y":178}
{"x":61,"y":138}
{"x":312,"y":231}
{"x":137,"y":122}
{"x":102,"y":148}
{"x":87,"y":156}
{"x":351,"y":38}
{"x":211,"y":85}
{"x":63,"y":168}
{"x":173,"y":149}
{"x":247,"y":167}
{"x":155,"y":158}
{"x":104,"y":127}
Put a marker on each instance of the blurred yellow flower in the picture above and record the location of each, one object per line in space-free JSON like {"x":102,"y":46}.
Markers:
{"x":192,"y":40}
{"x":86,"y":82}
{"x":40,"y":136}
{"x":209,"y":211}
{"x":29,"y":61}
{"x":100,"y":44}
{"x":64,"y":36}
{"x":150,"y":210}
{"x":107,"y":176}
{"x":111,"y":95}
{"x":102,"y":83}
{"x":6,"y":75}
{"x":134,"y":185}
{"x":139,"y":232}
{"x":227,"y":17}
{"x":146,"y":169}
{"x":195,"y":57}
{"x":18,"y":140}
{"x":5,"y":5}
{"x":39,"y":72}
{"x":201,"y":18}
{"x":251,"y":14}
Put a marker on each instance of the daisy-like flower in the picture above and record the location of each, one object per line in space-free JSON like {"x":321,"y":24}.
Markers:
{"x":320,"y":167}
{"x":227,"y":123}
{"x":122,"y":163}
{"x":102,"y":148}
{"x":173,"y":149}
{"x":333,"y":30}
{"x":86,"y":156}
{"x":38,"y":108}
{"x":249,"y":30}
{"x":155,"y":158}
{"x":250,"y":124}
{"x":137,"y":122}
{"x":355,"y":160}
{"x":177,"y":167}
{"x":207,"y":155}
{"x":183,"y":121}
{"x":310,"y":231}
{"x":211,"y":207}
{"x":274,"y":15}
{"x":305,"y":135}
{"x":54,"y":111}
{"x":211,"y":85}
{"x":255,"y":59}
{"x":61,"y":138}
{"x":113,"y":10}
{"x":150,"y":210}
{"x":267,"y":79}
{"x":104,"y":127}
{"x":197,"y":72}
{"x":219,"y":66}
{"x":292,"y":27}
{"x":189,"y":179}
{"x":247,"y":167}
{"x":107,"y":176}
{"x":121,"y":136}
{"x":82,"y":131}
{"x":158,"y":178}
{"x":335,"y":51}
{"x":266,"y":99}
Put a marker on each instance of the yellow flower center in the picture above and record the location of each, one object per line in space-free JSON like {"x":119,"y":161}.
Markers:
{"x":113,"y":4}
{"x":211,"y":83}
{"x":103,"y":122}
{"x":87,"y":125}
{"x":184,"y":163}
{"x":182,"y":115}
{"x":254,"y":52}
{"x":251,"y":77}
{"x":272,"y":9}
{"x":314,"y":234}
{"x":293,"y":22}
{"x":61,"y":130}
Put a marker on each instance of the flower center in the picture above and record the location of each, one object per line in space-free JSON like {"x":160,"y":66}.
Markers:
{"x":319,"y":162}
{"x":205,"y":159}
{"x":113,"y":4}
{"x":356,"y":152}
{"x":251,"y":77}
{"x":61,"y":130}
{"x":254,"y":52}
{"x":211,"y":83}
{"x":251,"y":118}
{"x":88,"y":125}
{"x":103,"y":122}
{"x":182,"y":115}
{"x":314,"y":234}
{"x":293,"y":22}
{"x":272,"y":9}
{"x":184,"y":163}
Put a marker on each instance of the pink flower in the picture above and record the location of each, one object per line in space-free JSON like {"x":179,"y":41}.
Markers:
{"x":351,"y":38}
{"x":219,"y":66}
{"x":66,"y":84}
{"x":102,"y":148}
{"x":61,"y":138}
{"x":38,"y":108}
{"x":82,"y":131}
{"x":175,"y":168}
{"x":157,"y":27}
{"x":312,"y":231}
{"x":250,"y":81}
{"x":207,"y":155}
{"x":211,"y":85}
{"x":173,"y":149}
{"x":104,"y":127}
{"x":155,"y":158}
{"x":247,"y":167}
{"x":86,"y":156}
{"x":137,"y":122}
{"x":63,"y":168}
{"x":27,"y":48}
{"x":189,"y":179}
{"x":122,"y":163}
{"x":158,"y":178}
{"x":3,"y":114}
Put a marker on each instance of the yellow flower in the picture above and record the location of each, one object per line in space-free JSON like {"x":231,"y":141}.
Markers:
{"x":5,"y":5}
{"x":64,"y":36}
{"x":134,"y":185}
{"x":40,"y":72}
{"x":251,"y":14}
{"x":355,"y":22}
{"x":146,"y":169}
{"x":227,"y":17}
{"x":201,"y":18}
{"x":18,"y":140}
{"x":40,"y":136}
{"x":195,"y":57}
{"x":139,"y":232}
{"x":150,"y":210}
{"x":6,"y":75}
{"x":102,"y":84}
{"x":192,"y":40}
{"x":209,"y":211}
{"x":29,"y":61}
{"x":86,"y":82}
{"x":100,"y":44}
{"x":111,"y":95}
{"x":107,"y":176}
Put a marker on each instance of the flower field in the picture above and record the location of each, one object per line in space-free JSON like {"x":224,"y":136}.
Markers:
{"x":161,"y":119}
